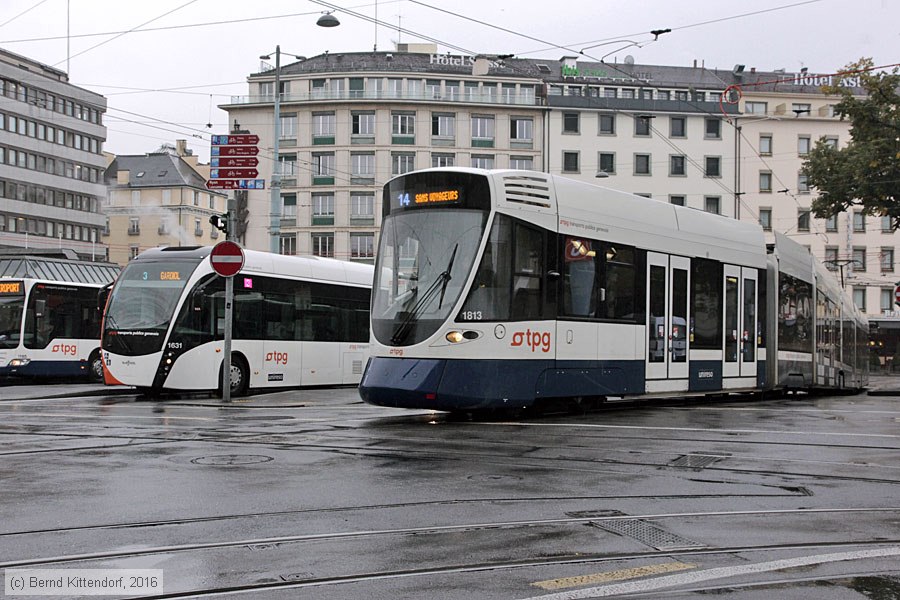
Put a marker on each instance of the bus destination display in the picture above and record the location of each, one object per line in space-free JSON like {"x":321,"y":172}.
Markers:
{"x":11,"y":288}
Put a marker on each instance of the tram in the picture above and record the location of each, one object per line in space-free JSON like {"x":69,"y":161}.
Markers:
{"x":503,"y":289}
{"x":298,"y":321}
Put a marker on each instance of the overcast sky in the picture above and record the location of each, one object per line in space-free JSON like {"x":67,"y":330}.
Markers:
{"x":181,"y":58}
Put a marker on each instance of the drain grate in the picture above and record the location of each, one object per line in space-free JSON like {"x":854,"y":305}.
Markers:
{"x":697,"y":461}
{"x":648,"y":534}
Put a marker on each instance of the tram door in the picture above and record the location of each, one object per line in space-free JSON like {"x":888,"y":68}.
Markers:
{"x":741,"y":327}
{"x":668,"y":340}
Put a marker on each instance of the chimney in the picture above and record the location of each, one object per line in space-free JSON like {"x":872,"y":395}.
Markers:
{"x":180,"y":147}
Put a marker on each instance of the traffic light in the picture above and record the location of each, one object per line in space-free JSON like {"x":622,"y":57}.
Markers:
{"x":220,"y":222}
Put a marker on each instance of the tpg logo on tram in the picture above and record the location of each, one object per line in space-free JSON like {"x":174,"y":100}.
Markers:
{"x":531,"y":339}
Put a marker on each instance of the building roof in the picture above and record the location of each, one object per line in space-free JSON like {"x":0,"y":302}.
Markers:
{"x":73,"y":271}
{"x":153,"y":171}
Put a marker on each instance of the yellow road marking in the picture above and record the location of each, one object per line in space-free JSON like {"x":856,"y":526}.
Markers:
{"x":620,"y":575}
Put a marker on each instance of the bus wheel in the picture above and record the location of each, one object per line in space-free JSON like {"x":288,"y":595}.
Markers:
{"x":95,"y":364}
{"x":240,"y":376}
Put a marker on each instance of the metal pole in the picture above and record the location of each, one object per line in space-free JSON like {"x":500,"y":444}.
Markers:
{"x":275,"y":204}
{"x":226,"y":362}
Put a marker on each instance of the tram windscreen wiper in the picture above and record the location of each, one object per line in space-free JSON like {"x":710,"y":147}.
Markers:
{"x":442,"y":279}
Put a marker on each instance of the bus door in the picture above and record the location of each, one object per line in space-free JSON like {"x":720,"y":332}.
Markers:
{"x":668,"y":342}
{"x":740,"y":321}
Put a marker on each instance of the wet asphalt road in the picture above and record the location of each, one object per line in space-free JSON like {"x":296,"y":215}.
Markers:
{"x":313,"y":494}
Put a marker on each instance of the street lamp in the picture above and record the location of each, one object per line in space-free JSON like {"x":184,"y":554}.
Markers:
{"x":326,"y":20}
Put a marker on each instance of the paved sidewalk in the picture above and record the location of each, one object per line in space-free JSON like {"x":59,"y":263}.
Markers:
{"x":30,"y":391}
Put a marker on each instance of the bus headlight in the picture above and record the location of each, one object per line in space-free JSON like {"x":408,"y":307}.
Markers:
{"x":19,"y":362}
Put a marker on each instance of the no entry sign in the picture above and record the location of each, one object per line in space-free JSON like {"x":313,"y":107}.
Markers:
{"x":227,"y":258}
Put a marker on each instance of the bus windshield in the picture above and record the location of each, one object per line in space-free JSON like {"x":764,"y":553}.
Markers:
{"x":10,"y":321}
{"x":424,"y":260}
{"x":142,"y":304}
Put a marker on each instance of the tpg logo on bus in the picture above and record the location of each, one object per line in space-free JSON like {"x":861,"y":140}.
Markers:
{"x":279,"y":358}
{"x":531,"y":339}
{"x":69,"y":349}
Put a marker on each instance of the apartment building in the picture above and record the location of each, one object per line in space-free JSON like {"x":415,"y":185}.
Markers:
{"x":159,"y":199}
{"x":51,"y":160}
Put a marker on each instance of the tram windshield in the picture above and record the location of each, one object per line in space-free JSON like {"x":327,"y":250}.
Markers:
{"x":142,"y":304}
{"x":424,"y":259}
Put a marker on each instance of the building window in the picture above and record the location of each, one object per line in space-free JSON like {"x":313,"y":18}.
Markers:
{"x":756,"y":108}
{"x":289,"y":126}
{"x":887,"y":299}
{"x":831,"y":142}
{"x":859,"y":258}
{"x":831,"y":224}
{"x":677,"y":127}
{"x":323,"y":127}
{"x":803,"y":219}
{"x":887,"y":225}
{"x":133,"y":251}
{"x":765,"y":144}
{"x":765,"y":181}
{"x":524,"y":163}
{"x":323,"y":244}
{"x":765,"y":218}
{"x":607,"y":162}
{"x":403,"y":127}
{"x":859,"y":298}
{"x":402,"y":162}
{"x":803,"y":144}
{"x":289,"y":206}
{"x":482,"y":161}
{"x":362,"y":245}
{"x":677,"y":200}
{"x":570,"y":162}
{"x":801,"y":109}
{"x":627,"y":93}
{"x":323,"y":168}
{"x":859,"y":221}
{"x":887,"y":259}
{"x":443,"y":160}
{"x":323,"y":209}
{"x":713,"y":166}
{"x":607,"y":124}
{"x":711,"y":204}
{"x":362,"y":208}
{"x":713,"y":129}
{"x":521,"y":131}
{"x":642,"y":164}
{"x":362,"y":167}
{"x":288,"y":164}
{"x":642,"y":125}
{"x":803,"y":183}
{"x":443,"y":125}
{"x":677,"y":165}
{"x":483,"y":131}
{"x":134,"y":226}
{"x":570,"y":122}
{"x":831,"y":258}
{"x":363,"y":123}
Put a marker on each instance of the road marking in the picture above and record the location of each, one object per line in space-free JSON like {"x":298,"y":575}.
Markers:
{"x":620,"y":575}
{"x":658,"y":583}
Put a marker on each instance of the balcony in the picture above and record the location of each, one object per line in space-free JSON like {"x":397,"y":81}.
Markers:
{"x":369,"y":95}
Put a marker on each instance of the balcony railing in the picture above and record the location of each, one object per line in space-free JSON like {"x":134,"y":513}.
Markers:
{"x":423,"y":96}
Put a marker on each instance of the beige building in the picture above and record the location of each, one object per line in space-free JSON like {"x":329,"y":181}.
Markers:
{"x":159,"y":199}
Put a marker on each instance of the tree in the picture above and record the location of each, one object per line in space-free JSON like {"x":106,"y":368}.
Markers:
{"x":866,"y":172}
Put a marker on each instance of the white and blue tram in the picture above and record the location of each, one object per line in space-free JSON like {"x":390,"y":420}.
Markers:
{"x":502,"y":289}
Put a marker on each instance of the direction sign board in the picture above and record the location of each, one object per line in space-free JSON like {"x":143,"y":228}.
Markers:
{"x":236,"y":184}
{"x":233,"y":173}
{"x":233,"y":161}
{"x":240,"y":139}
{"x":234,"y":151}
{"x":227,"y":258}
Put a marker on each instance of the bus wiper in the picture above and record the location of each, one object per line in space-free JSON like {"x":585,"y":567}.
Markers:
{"x":403,"y":329}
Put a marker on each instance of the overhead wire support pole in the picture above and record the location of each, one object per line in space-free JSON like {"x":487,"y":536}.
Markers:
{"x":275,"y":184}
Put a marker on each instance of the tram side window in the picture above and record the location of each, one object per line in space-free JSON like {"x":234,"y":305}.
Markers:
{"x":706,"y":304}
{"x":794,"y":314}
{"x":528,"y":270}
{"x":489,"y":298}
{"x":600,"y":281}
{"x":580,"y":277}
{"x":763,"y":310}
{"x":622,"y":287}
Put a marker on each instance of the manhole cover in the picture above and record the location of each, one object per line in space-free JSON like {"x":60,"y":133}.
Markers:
{"x":229,"y":460}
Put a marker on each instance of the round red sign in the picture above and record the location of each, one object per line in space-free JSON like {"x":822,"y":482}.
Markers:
{"x":897,"y":294}
{"x":227,"y":258}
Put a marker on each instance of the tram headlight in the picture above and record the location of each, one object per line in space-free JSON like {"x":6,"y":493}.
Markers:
{"x":454,"y":337}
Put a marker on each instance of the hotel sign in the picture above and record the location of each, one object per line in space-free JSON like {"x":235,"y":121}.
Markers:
{"x":820,"y":80}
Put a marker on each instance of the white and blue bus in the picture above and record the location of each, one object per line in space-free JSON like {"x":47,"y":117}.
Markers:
{"x":49,"y":316}
{"x":502,"y":289}
{"x":298,"y":321}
